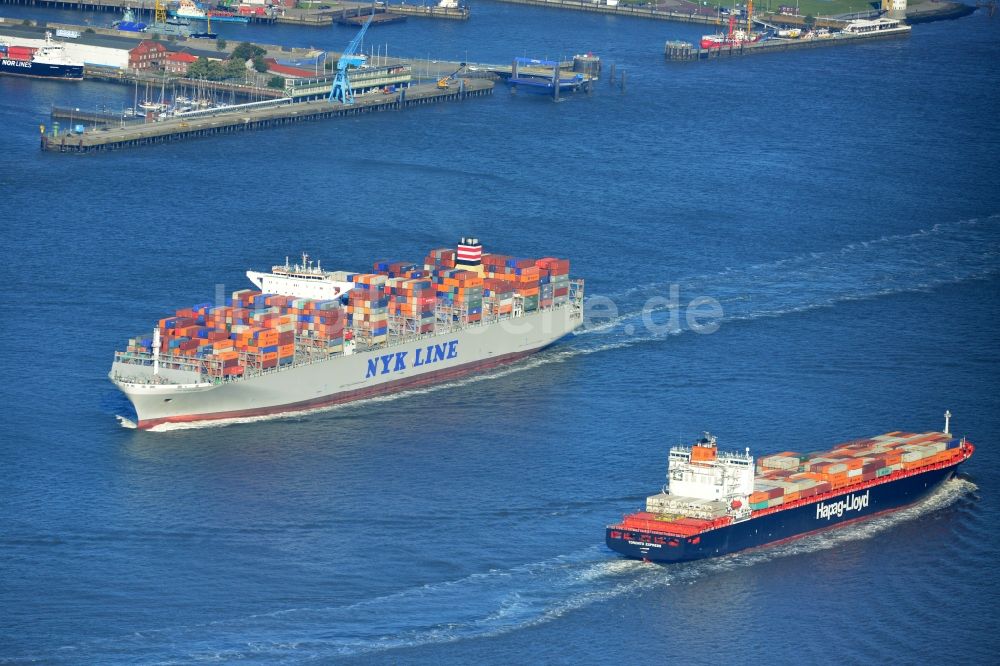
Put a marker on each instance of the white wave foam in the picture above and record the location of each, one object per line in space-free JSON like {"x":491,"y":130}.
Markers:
{"x":494,"y":602}
{"x":126,"y":422}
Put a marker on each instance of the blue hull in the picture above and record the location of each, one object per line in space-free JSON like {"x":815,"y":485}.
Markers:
{"x":41,"y":70}
{"x":778,"y":526}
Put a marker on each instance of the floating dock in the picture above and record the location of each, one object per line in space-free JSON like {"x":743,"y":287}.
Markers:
{"x":258,"y":115}
{"x":550,"y":77}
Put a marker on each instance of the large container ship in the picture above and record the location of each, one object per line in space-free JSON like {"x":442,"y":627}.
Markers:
{"x":717,"y":503}
{"x":309,"y":338}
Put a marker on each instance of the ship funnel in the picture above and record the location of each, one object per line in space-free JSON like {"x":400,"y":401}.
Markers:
{"x":470,"y":252}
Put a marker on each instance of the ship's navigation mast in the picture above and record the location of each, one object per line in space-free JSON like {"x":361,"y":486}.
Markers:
{"x":156,"y":350}
{"x":947,"y":421}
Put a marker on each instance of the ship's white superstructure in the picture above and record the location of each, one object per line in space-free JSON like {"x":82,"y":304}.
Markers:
{"x":305,"y":280}
{"x":703,"y":482}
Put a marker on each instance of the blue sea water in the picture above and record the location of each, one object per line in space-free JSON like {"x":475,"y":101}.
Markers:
{"x":839,"y":204}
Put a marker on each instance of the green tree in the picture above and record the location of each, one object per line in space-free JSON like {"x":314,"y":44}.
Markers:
{"x":259,"y":64}
{"x":246,"y":51}
{"x":155,"y":37}
{"x":216,"y":70}
{"x":220,"y":44}
{"x":276,"y":82}
{"x":810,"y":20}
{"x":203,"y":68}
{"x":235,"y":68}
{"x":198,"y":69}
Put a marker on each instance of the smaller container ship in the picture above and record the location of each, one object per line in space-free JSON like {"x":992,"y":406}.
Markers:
{"x":48,"y":61}
{"x":716,"y":503}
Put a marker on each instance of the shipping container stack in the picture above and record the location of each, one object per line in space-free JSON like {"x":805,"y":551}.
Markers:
{"x":787,"y":476}
{"x":522,"y":274}
{"x":535,"y":283}
{"x":412,"y":302}
{"x":553,"y":281}
{"x":319,"y":325}
{"x":255,"y":331}
{"x":258,"y":332}
{"x":498,"y":297}
{"x":410,"y":290}
{"x":368,"y":309}
{"x":440,"y":258}
{"x":459,"y":296}
{"x":22,"y":53}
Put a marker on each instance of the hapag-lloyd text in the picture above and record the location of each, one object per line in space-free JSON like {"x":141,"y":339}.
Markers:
{"x":850,"y":503}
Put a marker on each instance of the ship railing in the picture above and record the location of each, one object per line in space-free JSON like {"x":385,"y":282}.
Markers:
{"x":178,"y":362}
{"x":713,"y":524}
{"x":684,"y":453}
{"x":170,"y":361}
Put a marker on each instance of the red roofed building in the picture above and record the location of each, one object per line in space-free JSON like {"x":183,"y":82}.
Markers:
{"x":148,"y":55}
{"x":291,"y":72}
{"x":178,"y":63}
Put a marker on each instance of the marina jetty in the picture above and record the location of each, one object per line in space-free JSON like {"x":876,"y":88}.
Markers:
{"x":253,"y":116}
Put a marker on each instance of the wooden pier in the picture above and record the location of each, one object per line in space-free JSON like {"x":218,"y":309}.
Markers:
{"x":228,"y":121}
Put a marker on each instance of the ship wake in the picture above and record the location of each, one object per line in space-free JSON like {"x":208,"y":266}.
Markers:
{"x":493,"y":602}
{"x":946,"y":253}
